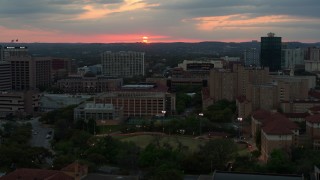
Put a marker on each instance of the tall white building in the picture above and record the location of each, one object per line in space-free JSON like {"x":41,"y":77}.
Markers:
{"x":292,"y":57}
{"x":123,"y":64}
{"x":251,"y":57}
{"x":13,"y":51}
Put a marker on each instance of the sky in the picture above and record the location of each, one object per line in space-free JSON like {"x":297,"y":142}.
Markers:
{"x":107,"y":21}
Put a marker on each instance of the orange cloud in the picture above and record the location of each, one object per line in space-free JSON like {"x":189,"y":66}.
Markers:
{"x":95,"y":11}
{"x":243,"y":21}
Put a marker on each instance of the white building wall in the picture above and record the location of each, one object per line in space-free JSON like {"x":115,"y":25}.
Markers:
{"x":292,"y":57}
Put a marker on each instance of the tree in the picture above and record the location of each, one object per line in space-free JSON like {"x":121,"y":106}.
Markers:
{"x":218,"y":152}
{"x":61,"y":129}
{"x":128,"y":155}
{"x":221,"y":111}
{"x":258,"y":138}
{"x":161,"y":162}
{"x":279,"y":162}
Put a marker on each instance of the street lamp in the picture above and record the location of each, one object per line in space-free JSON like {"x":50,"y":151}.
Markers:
{"x":239,"y":128}
{"x":200,"y":125}
{"x":164,"y":114}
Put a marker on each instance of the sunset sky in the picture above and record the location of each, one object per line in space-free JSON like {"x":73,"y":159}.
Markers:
{"x":104,"y":21}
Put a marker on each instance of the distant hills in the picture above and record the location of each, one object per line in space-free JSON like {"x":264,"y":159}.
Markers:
{"x":90,"y":52}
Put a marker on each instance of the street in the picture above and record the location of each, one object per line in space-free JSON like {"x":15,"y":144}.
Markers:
{"x":40,"y":137}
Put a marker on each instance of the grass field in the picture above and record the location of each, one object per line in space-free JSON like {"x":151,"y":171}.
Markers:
{"x":143,"y":140}
{"x":191,"y":144}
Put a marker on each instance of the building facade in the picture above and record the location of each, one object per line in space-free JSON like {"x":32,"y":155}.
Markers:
{"x":252,"y":57}
{"x":312,"y":59}
{"x":277,"y":132}
{"x":5,"y":76}
{"x":313,"y":130}
{"x":30,"y":72}
{"x":141,"y":100}
{"x":84,"y":84}
{"x":291,"y":58}
{"x":14,"y":51}
{"x":123,"y":64}
{"x":19,"y":103}
{"x":270,"y":54}
{"x":62,"y":67}
{"x":201,"y":65}
{"x":96,"y":111}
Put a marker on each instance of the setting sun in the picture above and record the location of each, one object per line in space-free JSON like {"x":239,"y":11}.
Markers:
{"x":145,"y":39}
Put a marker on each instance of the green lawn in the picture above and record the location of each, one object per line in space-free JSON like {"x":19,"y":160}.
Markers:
{"x":143,"y":140}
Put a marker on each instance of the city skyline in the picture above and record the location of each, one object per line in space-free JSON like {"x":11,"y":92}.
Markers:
{"x":107,"y":21}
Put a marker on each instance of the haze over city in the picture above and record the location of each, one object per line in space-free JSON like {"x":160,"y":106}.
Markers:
{"x":105,"y":21}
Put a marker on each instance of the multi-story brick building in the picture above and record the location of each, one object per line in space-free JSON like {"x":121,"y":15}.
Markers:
{"x":313,"y":129}
{"x":62,"y":67}
{"x":231,"y":83}
{"x":89,"y":84}
{"x":222,"y":84}
{"x":254,"y":87}
{"x":141,"y":100}
{"x":30,"y":72}
{"x":19,"y":103}
{"x":277,"y":132}
{"x":298,"y":105}
{"x":312,"y":59}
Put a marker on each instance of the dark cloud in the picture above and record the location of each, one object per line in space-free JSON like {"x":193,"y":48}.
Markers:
{"x":84,"y":1}
{"x":173,"y":18}
{"x":224,"y":7}
{"x":17,"y":7}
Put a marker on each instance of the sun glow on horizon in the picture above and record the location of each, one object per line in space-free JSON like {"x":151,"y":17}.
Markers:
{"x":145,"y":39}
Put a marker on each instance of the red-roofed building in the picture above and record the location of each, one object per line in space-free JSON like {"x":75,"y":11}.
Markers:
{"x":297,"y":117}
{"x":313,"y":129}
{"x":74,"y":171}
{"x":32,"y":174}
{"x":257,"y":119}
{"x":314,"y":110}
{"x":277,"y":132}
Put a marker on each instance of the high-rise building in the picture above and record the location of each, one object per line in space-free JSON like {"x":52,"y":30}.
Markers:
{"x":30,"y":72}
{"x":62,"y":67}
{"x":251,"y":57}
{"x":312,"y":54}
{"x":123,"y":64}
{"x":14,"y":51}
{"x":291,"y":58}
{"x":270,"y":54}
{"x":5,"y":76}
{"x":312,"y":59}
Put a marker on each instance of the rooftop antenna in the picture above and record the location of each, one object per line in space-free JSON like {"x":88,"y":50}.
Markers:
{"x":271,"y":34}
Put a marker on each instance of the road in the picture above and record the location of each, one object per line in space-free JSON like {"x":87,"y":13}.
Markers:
{"x":39,"y":134}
